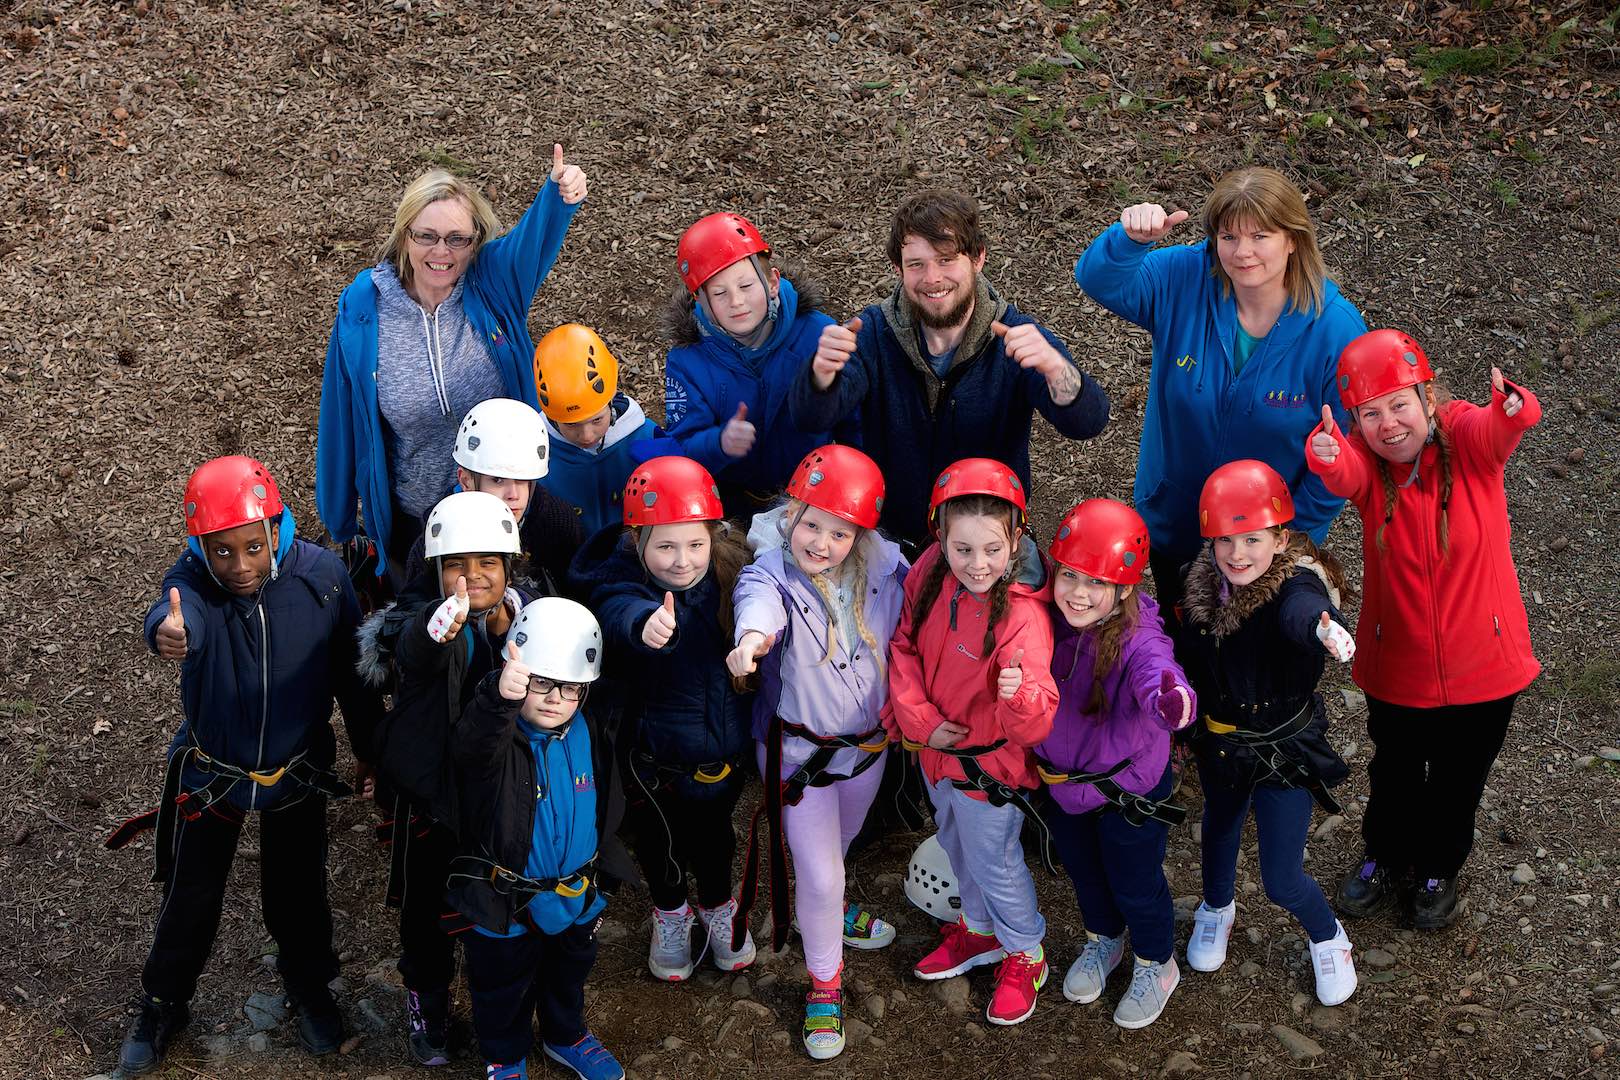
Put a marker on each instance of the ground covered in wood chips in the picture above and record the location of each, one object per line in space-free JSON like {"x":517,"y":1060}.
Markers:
{"x":187,"y":187}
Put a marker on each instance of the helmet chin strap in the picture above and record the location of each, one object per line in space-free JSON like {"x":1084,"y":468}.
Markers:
{"x":1417,"y":462}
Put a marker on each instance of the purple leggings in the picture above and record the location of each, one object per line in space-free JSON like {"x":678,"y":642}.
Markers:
{"x":818,"y":831}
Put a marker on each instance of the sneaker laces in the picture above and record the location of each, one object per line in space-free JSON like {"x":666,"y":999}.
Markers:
{"x":1145,"y":977}
{"x":671,"y":927}
{"x":147,"y":1019}
{"x":1018,"y":965}
{"x":1094,"y":956}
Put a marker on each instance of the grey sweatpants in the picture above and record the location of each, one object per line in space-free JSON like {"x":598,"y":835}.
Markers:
{"x":983,"y":843}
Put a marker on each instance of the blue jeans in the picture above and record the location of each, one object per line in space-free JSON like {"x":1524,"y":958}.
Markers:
{"x":1281,"y":818}
{"x":1118,"y":873}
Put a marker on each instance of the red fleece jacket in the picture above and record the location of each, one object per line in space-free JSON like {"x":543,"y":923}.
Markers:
{"x":1440,"y":628}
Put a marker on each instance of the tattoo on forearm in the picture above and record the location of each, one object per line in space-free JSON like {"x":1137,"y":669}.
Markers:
{"x":1064,"y":386}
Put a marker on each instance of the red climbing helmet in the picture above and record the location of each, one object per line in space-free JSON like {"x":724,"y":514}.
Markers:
{"x":671,"y":490}
{"x":976,"y":476}
{"x":842,"y":481}
{"x":1103,"y":539}
{"x":227,"y":492}
{"x":1243,"y":496}
{"x":713,"y":243}
{"x":1380,"y":362}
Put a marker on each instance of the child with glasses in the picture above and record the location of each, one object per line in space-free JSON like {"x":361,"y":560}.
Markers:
{"x":525,"y":876}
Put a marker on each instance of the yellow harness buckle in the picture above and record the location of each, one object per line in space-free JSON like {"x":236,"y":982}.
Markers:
{"x":703,"y":777}
{"x":1217,"y":727}
{"x":268,"y":779}
{"x":1052,"y":777}
{"x":913,"y":746}
{"x":873,"y":747}
{"x":574,"y":890}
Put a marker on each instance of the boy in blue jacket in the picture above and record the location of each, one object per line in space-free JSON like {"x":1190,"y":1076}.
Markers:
{"x":523,"y":880}
{"x":740,"y":332}
{"x":593,"y":427}
{"x":263,"y":625}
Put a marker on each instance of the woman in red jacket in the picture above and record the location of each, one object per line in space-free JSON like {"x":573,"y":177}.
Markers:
{"x":1443,"y":645}
{"x":970,"y":687}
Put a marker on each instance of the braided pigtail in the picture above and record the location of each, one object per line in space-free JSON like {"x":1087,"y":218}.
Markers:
{"x":998,"y":607}
{"x":928,"y":594}
{"x":1442,"y":437}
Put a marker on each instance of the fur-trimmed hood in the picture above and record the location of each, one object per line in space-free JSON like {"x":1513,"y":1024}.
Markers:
{"x":677,"y":322}
{"x":1211,"y":603}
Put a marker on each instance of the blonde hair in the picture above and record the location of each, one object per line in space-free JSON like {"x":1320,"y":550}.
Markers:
{"x":427,"y":189}
{"x":1271,"y":202}
{"x":1432,"y":396}
{"x":851,"y":572}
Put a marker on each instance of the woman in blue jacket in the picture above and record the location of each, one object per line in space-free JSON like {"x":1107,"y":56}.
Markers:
{"x":1247,"y":330}
{"x":449,"y":299}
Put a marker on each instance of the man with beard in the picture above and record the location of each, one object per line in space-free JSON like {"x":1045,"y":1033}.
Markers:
{"x":943,"y":369}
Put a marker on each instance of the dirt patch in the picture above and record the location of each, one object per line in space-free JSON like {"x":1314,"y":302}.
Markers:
{"x":189,"y":186}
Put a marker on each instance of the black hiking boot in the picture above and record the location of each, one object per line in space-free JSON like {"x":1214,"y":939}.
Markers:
{"x":320,"y":1025}
{"x":1434,"y":904}
{"x":1365,"y":890}
{"x":155,"y":1026}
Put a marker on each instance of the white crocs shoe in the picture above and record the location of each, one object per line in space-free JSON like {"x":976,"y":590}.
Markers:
{"x":1212,"y":929}
{"x":718,"y":922}
{"x":1335,"y":971}
{"x":670,"y":957}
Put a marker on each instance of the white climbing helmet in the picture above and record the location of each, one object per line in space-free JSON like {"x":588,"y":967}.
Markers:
{"x":470,"y":522}
{"x":558,"y":639}
{"x":503,"y":437}
{"x":931,"y":883}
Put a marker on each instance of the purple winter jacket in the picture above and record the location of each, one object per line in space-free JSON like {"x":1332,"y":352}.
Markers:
{"x":1131,"y":727}
{"x":844,"y":695}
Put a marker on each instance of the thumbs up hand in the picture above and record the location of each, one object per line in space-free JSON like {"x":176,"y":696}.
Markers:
{"x":1514,"y":400}
{"x":833,"y":350}
{"x":1026,"y":346}
{"x":1147,"y":223}
{"x":660,"y":625}
{"x":171,"y":632}
{"x":570,"y":179}
{"x":744,"y":659}
{"x":737,"y":437}
{"x":1011,"y":677}
{"x":448,"y":620}
{"x":1335,"y":639}
{"x":1325,"y":439}
{"x":514,"y":684}
{"x":1174,"y":703}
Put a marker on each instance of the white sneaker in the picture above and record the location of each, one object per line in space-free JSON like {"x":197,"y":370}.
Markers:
{"x":1089,"y":973}
{"x":670,"y":957}
{"x":1335,"y":971}
{"x":1212,"y":929}
{"x":718,"y":922}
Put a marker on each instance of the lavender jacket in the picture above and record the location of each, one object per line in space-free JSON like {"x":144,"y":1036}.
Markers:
{"x":1130,"y":728}
{"x":844,"y":695}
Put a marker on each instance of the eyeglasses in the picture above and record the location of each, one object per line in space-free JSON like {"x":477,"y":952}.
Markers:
{"x":427,"y":238}
{"x":569,"y":691}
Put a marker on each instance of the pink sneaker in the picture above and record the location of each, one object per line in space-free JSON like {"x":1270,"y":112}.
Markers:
{"x":960,"y":949}
{"x":1018,"y":983}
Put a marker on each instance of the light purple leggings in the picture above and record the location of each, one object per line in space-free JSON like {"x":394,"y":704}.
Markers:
{"x":819,"y":830}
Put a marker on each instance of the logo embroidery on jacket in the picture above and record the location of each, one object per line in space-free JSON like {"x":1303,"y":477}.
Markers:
{"x":584,"y":782}
{"x":1188,"y":361}
{"x":675,"y":401}
{"x":1282,"y":399}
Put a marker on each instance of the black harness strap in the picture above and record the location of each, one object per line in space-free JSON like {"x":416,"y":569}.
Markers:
{"x":1267,"y":747}
{"x":519,"y":887}
{"x":1135,"y":809}
{"x":995,"y":792}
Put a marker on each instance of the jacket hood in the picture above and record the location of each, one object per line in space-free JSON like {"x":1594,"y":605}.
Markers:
{"x":1211,"y":602}
{"x":767,"y":534}
{"x":628,"y":418}
{"x":678,"y":321}
{"x":988,"y":306}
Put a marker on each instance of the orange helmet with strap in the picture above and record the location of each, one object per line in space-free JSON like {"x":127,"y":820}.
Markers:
{"x":574,"y":374}
{"x":1243,"y":496}
{"x":977,"y":476}
{"x":1380,"y":362}
{"x":227,"y":492}
{"x":669,"y":491}
{"x":1103,"y":539}
{"x":842,"y":481}
{"x":713,"y":243}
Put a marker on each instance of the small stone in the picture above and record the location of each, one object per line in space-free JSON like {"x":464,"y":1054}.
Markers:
{"x":1577,"y":455}
{"x":1327,"y":1020}
{"x":1197,"y":831}
{"x":1299,"y":1047}
{"x":1378,"y":958}
{"x":1248,"y":969}
{"x":898,"y":998}
{"x":265,"y":1011}
{"x":1179,"y":1063}
{"x":674,"y":1042}
{"x":1523,"y":874}
{"x":888,"y":880}
{"x":1329,"y":826}
{"x":1609,"y":753}
{"x":1297,"y":1005}
{"x":781,"y":1038}
{"x":876,"y":1006}
{"x":385,"y":973}
{"x":351,"y":1044}
{"x":1527,"y":901}
{"x":741,"y":988}
{"x":754,"y":1009}
{"x":952,"y":993}
{"x":974,"y":1031}
{"x":1244,"y":1027}
{"x":258,"y":1042}
{"x":1595,"y":1036}
{"x":766,"y":981}
{"x":1466,"y":1027}
{"x":1119,"y":1066}
{"x":1254,"y":935}
{"x":856,"y":1029}
{"x":1353,"y":700}
{"x":1586,"y":761}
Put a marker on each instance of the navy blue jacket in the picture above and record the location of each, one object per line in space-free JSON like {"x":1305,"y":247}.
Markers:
{"x":913,"y":423}
{"x":681,"y":696}
{"x":261,"y":671}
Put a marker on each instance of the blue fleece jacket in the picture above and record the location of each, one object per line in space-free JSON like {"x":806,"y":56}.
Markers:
{"x":914,"y":423}
{"x":1199,"y":414}
{"x":261,"y":671}
{"x":351,"y":460}
{"x":592,"y":481}
{"x":706,"y":381}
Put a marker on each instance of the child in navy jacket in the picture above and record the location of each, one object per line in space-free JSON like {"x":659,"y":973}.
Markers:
{"x":263,"y":624}
{"x":740,"y":332}
{"x":524,"y":879}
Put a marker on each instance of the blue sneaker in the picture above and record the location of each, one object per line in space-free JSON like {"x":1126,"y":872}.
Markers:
{"x":520,"y":1071}
{"x":589,"y":1059}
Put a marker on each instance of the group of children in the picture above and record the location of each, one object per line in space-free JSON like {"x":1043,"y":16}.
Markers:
{"x":703,"y":628}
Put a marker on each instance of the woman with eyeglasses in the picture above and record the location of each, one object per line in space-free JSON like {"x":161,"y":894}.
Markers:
{"x":438,"y":325}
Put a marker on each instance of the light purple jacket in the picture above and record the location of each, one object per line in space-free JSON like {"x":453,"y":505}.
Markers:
{"x":1130,"y":728}
{"x":844,"y":695}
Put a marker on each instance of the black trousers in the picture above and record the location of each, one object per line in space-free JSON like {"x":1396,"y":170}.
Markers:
{"x":1426,"y":777}
{"x":676,"y":833}
{"x":427,"y":959}
{"x":292,"y":889}
{"x":539,"y":975}
{"x":1168,"y":586}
